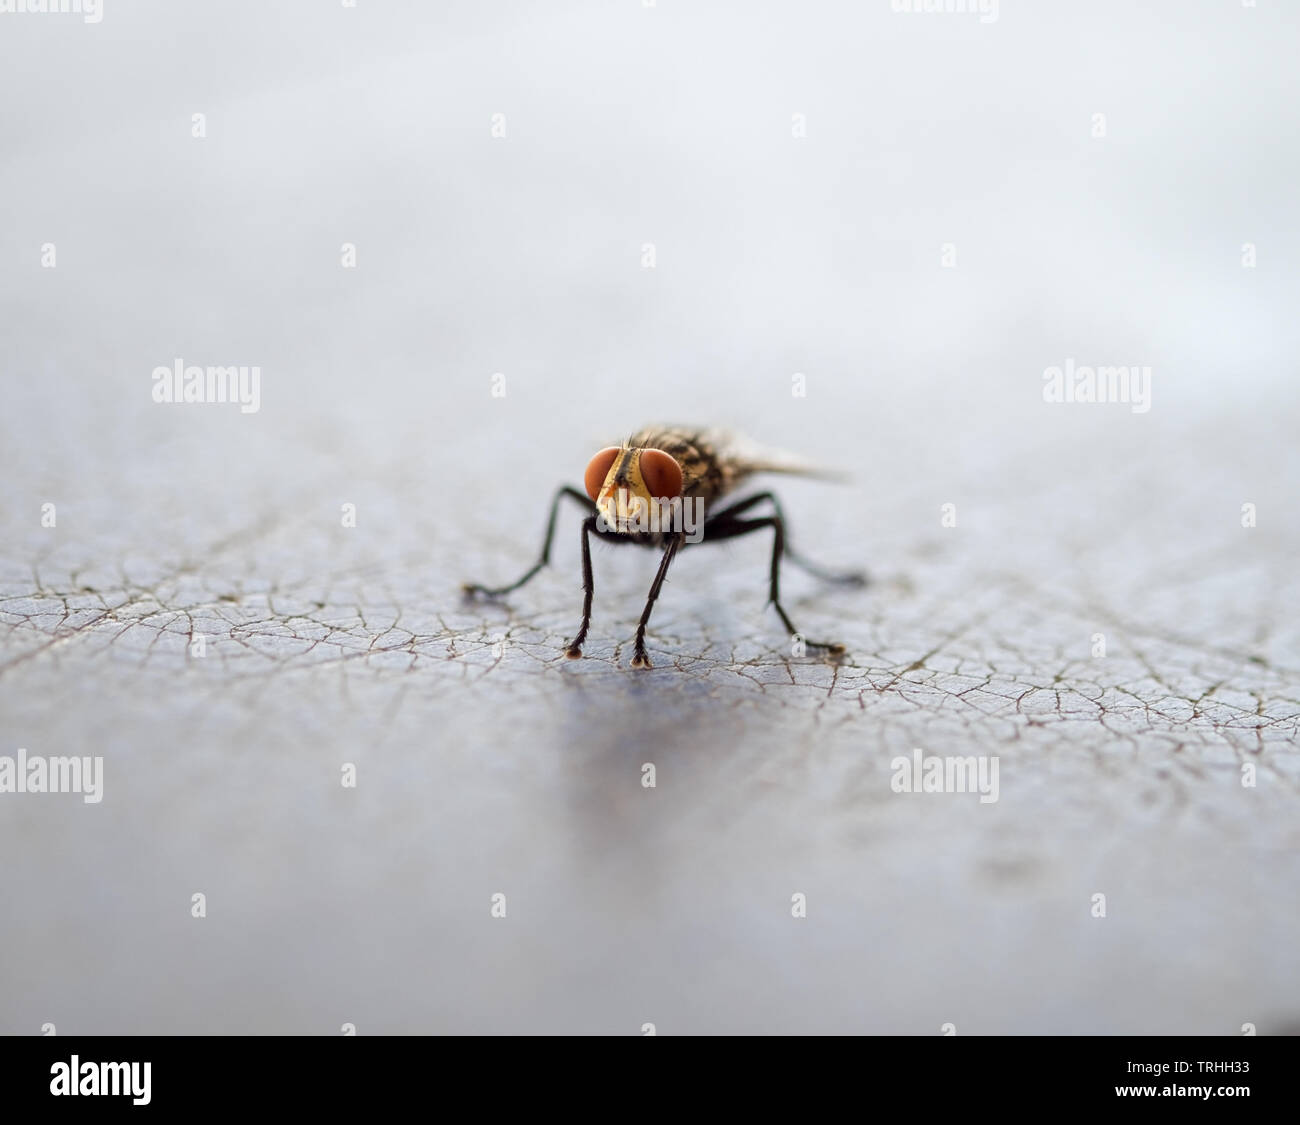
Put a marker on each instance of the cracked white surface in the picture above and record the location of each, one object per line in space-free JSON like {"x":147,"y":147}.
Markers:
{"x":486,"y":762}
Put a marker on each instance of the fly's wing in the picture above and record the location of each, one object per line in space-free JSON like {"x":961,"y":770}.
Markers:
{"x":749,"y":457}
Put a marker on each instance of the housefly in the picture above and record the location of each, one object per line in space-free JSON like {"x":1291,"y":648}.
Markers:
{"x":660,"y":488}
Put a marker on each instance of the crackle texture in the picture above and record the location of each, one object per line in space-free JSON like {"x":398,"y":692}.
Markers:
{"x":1099,"y":619}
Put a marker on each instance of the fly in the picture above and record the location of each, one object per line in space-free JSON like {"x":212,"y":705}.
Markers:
{"x":647,"y":490}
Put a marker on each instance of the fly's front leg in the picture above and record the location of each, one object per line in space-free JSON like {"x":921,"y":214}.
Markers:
{"x":472,"y":589}
{"x":574,"y":651}
{"x":726,"y":526}
{"x":639,"y":657}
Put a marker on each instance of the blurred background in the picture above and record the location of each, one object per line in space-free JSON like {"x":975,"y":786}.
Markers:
{"x":620,"y":214}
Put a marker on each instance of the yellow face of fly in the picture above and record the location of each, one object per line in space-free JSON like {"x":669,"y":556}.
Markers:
{"x":624,"y":497}
{"x":627,"y":484}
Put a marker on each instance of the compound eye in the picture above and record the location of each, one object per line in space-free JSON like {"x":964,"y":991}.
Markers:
{"x":598,"y":469}
{"x":661,"y":473}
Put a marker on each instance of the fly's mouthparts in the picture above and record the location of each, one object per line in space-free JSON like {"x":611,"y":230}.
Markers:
{"x":629,"y":513}
{"x":620,"y":506}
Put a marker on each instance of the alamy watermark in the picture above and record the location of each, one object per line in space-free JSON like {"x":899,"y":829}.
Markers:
{"x":929,"y":773}
{"x":91,"y":11}
{"x":987,"y":10}
{"x":101,"y":1079}
{"x":179,"y":383}
{"x":33,"y":773}
{"x":626,"y":513}
{"x":1073,"y":383}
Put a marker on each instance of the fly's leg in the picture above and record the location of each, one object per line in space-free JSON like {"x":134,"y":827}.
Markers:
{"x":725,"y":526}
{"x":840,"y":578}
{"x":574,"y":651}
{"x":472,"y":589}
{"x":639,"y":657}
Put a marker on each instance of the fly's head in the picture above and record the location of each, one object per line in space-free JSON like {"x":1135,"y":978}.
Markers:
{"x":632,"y":486}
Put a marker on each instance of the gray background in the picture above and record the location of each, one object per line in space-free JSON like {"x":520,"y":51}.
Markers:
{"x":488,"y":764}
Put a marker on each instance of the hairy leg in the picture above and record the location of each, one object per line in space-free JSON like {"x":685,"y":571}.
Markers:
{"x":639,"y":657}
{"x":574,"y":650}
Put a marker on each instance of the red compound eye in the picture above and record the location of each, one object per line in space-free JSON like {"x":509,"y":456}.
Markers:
{"x":598,"y":469}
{"x":662,"y":474}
